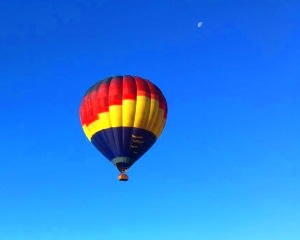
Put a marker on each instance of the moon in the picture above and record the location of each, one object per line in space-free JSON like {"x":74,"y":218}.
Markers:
{"x":200,"y":24}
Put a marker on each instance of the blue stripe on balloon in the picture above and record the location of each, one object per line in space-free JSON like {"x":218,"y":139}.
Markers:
{"x":123,"y":145}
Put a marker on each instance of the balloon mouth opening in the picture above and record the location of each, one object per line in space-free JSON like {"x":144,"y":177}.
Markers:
{"x":122,"y":169}
{"x":122,"y":163}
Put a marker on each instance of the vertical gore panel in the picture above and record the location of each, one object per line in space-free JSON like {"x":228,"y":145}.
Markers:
{"x":87,"y":106}
{"x":142,"y":104}
{"x":163,"y":104}
{"x":104,"y":111}
{"x":94,"y":105}
{"x":115,"y":96}
{"x":129,"y":111}
{"x":103,"y":97}
{"x":154,"y":105}
{"x":157,"y":127}
{"x":115,"y":101}
{"x":129,"y":102}
{"x":115,"y":91}
{"x":142,"y":140}
{"x":159,"y":119}
{"x":104,"y":114}
{"x":97,"y":101}
{"x":129,"y":88}
{"x":101,"y":142}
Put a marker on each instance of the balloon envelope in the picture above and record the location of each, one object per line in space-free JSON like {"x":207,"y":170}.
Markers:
{"x":122,"y":117}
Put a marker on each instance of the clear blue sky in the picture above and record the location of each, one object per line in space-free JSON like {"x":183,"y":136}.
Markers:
{"x":227,"y":164}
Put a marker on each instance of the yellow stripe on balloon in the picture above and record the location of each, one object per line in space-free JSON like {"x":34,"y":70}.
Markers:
{"x":154,"y":106}
{"x":94,"y":127}
{"x":142,"y":112}
{"x":159,"y":118}
{"x":102,"y":123}
{"x":128,"y":112}
{"x":86,"y":132}
{"x":115,"y":112}
{"x":161,"y":126}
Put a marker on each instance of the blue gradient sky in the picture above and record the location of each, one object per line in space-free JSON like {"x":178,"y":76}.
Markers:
{"x":227,"y":165}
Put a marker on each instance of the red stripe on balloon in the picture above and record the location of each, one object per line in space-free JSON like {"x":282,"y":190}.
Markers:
{"x":142,"y":87}
{"x":102,"y":97}
{"x":115,"y":91}
{"x":129,"y":88}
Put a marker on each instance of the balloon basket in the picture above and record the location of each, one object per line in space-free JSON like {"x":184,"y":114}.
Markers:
{"x":123,"y":177}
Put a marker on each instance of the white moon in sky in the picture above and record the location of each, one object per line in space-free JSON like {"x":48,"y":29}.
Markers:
{"x":200,"y":24}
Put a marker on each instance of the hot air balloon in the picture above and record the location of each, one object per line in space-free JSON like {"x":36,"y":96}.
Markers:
{"x":123,"y":116}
